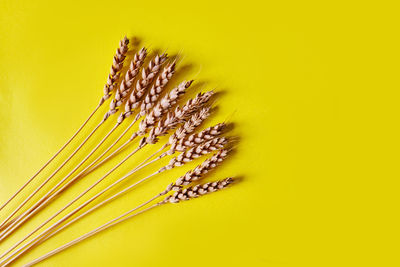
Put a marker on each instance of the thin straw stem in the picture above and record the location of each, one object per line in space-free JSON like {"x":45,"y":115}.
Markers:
{"x":66,"y":217}
{"x":49,"y":178}
{"x":94,"y":166}
{"x":92,"y":233}
{"x":33,"y":210}
{"x":51,"y":159}
{"x":41,"y":205}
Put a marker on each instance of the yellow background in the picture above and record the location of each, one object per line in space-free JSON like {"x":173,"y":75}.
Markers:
{"x":312,"y":87}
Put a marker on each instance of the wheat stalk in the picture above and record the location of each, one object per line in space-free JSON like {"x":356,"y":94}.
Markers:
{"x":113,"y":76}
{"x":183,"y":158}
{"x":180,"y":195}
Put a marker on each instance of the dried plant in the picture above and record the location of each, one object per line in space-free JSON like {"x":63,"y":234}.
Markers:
{"x":160,"y":117}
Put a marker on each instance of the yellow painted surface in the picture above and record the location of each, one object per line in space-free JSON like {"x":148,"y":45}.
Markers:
{"x":311,"y":86}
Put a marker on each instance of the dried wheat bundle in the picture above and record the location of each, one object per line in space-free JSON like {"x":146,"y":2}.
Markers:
{"x":159,"y":118}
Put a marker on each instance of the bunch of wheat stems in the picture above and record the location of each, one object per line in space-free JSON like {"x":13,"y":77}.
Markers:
{"x":140,"y":94}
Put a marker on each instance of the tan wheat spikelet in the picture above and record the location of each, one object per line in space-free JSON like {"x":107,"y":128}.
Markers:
{"x":116,"y":67}
{"x":126,"y":85}
{"x":193,"y":104}
{"x":198,"y":190}
{"x":181,"y":144}
{"x":163,"y":106}
{"x":188,"y":127}
{"x":196,"y":152}
{"x":176,"y":117}
{"x":202,"y":169}
{"x":148,"y":75}
{"x":155,"y":91}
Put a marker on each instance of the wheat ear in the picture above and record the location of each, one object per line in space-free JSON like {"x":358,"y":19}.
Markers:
{"x":182,"y":194}
{"x":118,"y":59}
{"x":116,"y":67}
